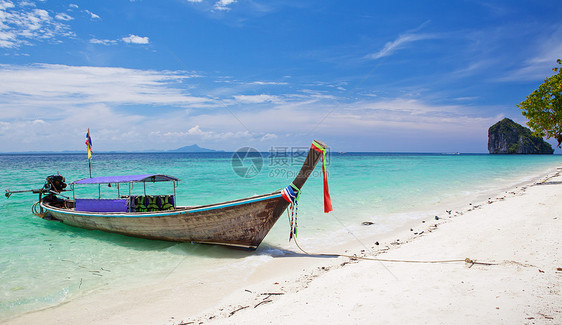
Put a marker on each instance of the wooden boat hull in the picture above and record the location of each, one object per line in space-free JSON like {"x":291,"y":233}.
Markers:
{"x":240,"y":223}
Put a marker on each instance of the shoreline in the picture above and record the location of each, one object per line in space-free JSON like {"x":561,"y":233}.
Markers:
{"x":291,"y":273}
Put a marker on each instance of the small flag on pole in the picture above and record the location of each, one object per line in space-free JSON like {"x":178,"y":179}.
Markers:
{"x":89,"y":144}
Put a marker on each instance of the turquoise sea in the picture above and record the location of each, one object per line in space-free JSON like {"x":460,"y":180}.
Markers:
{"x":46,"y":263}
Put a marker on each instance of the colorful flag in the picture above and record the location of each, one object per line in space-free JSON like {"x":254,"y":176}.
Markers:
{"x":89,"y":144}
{"x":327,"y":200}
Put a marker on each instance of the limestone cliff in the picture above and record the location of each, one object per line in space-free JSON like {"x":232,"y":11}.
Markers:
{"x":508,"y":137}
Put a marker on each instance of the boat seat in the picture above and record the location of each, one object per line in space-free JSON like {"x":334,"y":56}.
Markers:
{"x":166,"y":202}
{"x":102,"y":205}
{"x":151,"y":203}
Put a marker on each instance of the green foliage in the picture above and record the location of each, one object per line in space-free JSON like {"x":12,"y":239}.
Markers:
{"x":543,"y":107}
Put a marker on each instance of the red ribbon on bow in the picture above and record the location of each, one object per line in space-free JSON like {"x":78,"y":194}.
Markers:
{"x":327,"y":200}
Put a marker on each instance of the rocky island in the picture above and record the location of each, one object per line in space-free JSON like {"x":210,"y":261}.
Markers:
{"x":508,"y":137}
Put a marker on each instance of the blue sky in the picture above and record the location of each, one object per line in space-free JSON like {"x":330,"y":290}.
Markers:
{"x":400,"y":76}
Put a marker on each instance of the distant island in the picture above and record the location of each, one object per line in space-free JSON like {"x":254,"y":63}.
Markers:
{"x":194,"y":148}
{"x":508,"y":137}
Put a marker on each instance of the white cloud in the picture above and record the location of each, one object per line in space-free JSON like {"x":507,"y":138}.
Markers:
{"x":92,"y":15}
{"x":22,"y":26}
{"x":540,"y":65}
{"x":351,"y":119}
{"x":134,"y":39}
{"x":122,"y":105}
{"x":269,"y":136}
{"x":401,"y":42}
{"x":64,"y":17}
{"x":131,"y":39}
{"x":223,"y":5}
{"x":44,"y":85}
{"x":255,"y":99}
{"x":197,"y":132}
{"x":6,"y":4}
{"x":107,"y":127}
{"x":406,"y":105}
{"x":267,"y":83}
{"x":144,"y":109}
{"x":103,"y":41}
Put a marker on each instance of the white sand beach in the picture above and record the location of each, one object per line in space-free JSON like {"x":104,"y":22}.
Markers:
{"x":514,"y":238}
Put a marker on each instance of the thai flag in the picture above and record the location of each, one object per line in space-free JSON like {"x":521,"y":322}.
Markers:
{"x":89,"y":144}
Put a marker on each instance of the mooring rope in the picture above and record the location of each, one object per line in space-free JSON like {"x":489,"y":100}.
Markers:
{"x":466,"y":260}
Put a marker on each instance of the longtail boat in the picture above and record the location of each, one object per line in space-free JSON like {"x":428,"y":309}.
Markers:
{"x":240,"y":223}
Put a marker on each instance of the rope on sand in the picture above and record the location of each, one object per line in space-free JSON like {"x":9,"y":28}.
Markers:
{"x":466,"y":260}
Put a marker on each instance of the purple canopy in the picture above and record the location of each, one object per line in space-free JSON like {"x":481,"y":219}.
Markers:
{"x":126,"y":179}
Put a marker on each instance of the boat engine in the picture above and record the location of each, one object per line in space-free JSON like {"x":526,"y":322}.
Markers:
{"x":55,"y":183}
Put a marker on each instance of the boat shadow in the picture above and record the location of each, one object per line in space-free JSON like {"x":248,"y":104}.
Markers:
{"x":225,"y":252}
{"x":278,"y":252}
